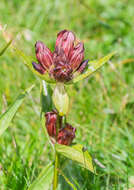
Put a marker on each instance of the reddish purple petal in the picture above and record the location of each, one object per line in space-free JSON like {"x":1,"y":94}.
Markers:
{"x":38,"y":67}
{"x":65,"y":40}
{"x":82,"y":66}
{"x":76,"y":56}
{"x":43,"y":55}
{"x":59,"y":56}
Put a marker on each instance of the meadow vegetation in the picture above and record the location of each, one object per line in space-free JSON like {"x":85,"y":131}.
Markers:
{"x":102,"y":106}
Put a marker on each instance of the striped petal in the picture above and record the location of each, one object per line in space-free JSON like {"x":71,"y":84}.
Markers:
{"x":65,"y":40}
{"x":38,"y":67}
{"x":76,"y":56}
{"x":43,"y":55}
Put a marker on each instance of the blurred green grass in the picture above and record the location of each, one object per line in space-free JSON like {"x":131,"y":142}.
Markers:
{"x":102,"y":112}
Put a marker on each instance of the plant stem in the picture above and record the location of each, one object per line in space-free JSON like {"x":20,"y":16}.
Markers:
{"x":55,"y":180}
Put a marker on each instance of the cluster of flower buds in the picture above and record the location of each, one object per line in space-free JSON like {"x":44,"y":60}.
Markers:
{"x":65,"y":62}
{"x":65,"y":134}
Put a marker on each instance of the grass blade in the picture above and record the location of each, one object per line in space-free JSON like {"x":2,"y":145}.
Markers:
{"x":44,"y":180}
{"x":7,"y":117}
{"x":67,"y":180}
{"x":3,"y":49}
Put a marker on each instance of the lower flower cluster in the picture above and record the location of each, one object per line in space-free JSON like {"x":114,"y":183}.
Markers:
{"x":64,"y":135}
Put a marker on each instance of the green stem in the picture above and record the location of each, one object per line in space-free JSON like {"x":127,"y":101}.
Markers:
{"x":56,"y":173}
{"x":55,"y":182}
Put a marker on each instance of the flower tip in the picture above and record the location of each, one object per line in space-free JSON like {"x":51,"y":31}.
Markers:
{"x":80,"y":46}
{"x":38,"y":68}
{"x":61,"y":32}
{"x":65,"y":32}
{"x":83,"y":66}
{"x":39,"y":46}
{"x":74,"y":130}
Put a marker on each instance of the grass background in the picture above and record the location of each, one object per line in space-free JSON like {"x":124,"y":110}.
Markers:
{"x":102,"y":107}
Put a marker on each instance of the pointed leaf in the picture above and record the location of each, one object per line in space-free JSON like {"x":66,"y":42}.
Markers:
{"x":4,"y":48}
{"x":76,"y":154}
{"x":61,"y":99}
{"x":7,"y":117}
{"x":93,"y":66}
{"x":28,"y":62}
{"x":44,"y":180}
{"x":46,"y":94}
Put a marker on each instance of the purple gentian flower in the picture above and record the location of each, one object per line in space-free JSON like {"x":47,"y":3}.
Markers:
{"x":65,"y":61}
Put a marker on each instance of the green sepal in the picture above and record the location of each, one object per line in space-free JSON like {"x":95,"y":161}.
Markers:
{"x":60,"y":99}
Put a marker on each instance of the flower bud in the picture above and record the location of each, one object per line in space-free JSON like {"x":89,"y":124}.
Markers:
{"x":51,"y":118}
{"x":66,"y":135}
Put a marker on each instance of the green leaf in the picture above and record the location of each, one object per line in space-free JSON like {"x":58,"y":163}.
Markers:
{"x":44,"y":180}
{"x":76,"y":154}
{"x":93,"y":66}
{"x":61,"y":99}
{"x":28,"y":62}
{"x":4,"y":48}
{"x":46,"y":94}
{"x":7,"y":117}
